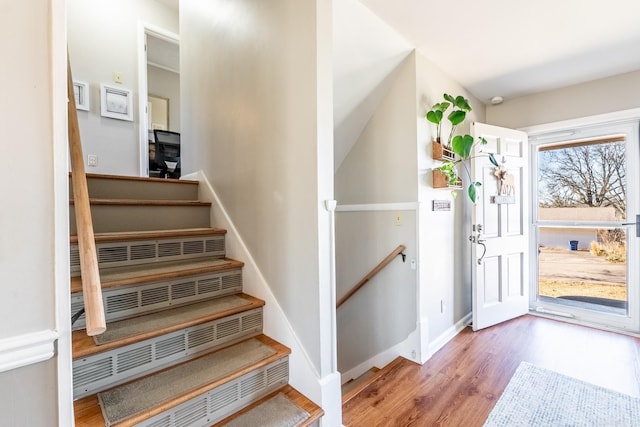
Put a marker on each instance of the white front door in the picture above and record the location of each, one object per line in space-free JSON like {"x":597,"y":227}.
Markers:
{"x":500,"y":218}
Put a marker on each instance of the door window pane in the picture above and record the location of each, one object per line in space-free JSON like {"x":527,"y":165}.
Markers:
{"x":582,"y":200}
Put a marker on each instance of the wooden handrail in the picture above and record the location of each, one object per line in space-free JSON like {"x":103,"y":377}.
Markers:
{"x":91,"y":288}
{"x":397,"y":251}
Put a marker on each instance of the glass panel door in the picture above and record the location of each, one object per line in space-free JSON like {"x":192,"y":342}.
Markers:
{"x":586,"y":191}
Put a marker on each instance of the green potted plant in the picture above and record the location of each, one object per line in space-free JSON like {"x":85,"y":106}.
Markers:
{"x":460,"y":146}
{"x":460,"y":107}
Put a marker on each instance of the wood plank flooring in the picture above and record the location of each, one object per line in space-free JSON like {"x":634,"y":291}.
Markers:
{"x":461,"y":383}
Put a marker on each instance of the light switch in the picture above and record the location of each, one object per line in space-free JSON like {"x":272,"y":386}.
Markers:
{"x":397,"y":219}
{"x":117,"y":77}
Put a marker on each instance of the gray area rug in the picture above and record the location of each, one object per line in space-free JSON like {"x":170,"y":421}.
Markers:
{"x":129,"y":399}
{"x":160,"y":320}
{"x":539,"y":397}
{"x":278,"y":411}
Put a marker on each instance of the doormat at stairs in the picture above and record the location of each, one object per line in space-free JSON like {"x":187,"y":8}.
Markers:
{"x":163,"y":319}
{"x":140,"y":395}
{"x":278,"y":411}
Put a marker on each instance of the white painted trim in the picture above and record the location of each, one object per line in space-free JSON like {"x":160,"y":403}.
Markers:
{"x":417,"y":344}
{"x":551,"y":133}
{"x":303,"y":374}
{"x":330,"y":206}
{"x":581,"y":322}
{"x":406,"y":348}
{"x":61,"y":279}
{"x":163,"y":67}
{"x":26,"y":349}
{"x":564,"y":125}
{"x":403,"y":206}
{"x":143,"y":133}
{"x":331,"y":400}
{"x":380,"y":360}
{"x":449,"y":334}
{"x":145,"y":28}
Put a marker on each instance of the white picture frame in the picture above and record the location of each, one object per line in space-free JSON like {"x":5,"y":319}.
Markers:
{"x":116,"y":102}
{"x":81,"y":93}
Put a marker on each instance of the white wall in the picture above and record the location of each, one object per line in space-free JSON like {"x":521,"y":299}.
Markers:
{"x":582,"y":100}
{"x":383,"y":313}
{"x":391,"y":163}
{"x":29,"y":218}
{"x":29,"y":396}
{"x":103,"y":39}
{"x":380,"y":169}
{"x":252,"y":104}
{"x":166,"y":84}
{"x":445,"y":275}
{"x":381,"y":166}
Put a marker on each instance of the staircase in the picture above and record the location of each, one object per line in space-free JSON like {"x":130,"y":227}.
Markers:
{"x":184,"y":345}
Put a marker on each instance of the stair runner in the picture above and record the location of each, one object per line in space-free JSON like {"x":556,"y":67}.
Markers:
{"x":183,"y":346}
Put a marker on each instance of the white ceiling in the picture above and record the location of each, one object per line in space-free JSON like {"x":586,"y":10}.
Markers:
{"x":163,"y":53}
{"x":505,"y":48}
{"x":515,"y":47}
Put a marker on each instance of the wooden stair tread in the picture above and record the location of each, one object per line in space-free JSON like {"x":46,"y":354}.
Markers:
{"x":142,"y":202}
{"x":118,"y":236}
{"x":353,"y":392}
{"x":140,"y":178}
{"x":144,"y":273}
{"x":84,"y":345}
{"x":300,"y":400}
{"x":88,"y":413}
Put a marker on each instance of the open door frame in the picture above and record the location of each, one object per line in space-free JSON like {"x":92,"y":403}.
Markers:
{"x":145,"y":29}
{"x":500,"y":226}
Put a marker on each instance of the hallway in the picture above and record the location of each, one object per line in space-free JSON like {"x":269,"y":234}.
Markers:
{"x":461,"y":383}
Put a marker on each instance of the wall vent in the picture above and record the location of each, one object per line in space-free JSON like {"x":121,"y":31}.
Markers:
{"x":118,"y":254}
{"x":122,"y":303}
{"x":103,"y":370}
{"x":222,"y":400}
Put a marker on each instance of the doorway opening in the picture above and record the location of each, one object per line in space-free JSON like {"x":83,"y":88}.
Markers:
{"x":582,"y":255}
{"x":585,"y":198}
{"x":159,"y":71}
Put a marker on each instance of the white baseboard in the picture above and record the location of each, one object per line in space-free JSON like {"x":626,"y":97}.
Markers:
{"x":26,"y":349}
{"x":407,"y":348}
{"x":303,"y":375}
{"x":380,"y":360}
{"x":448,"y":335}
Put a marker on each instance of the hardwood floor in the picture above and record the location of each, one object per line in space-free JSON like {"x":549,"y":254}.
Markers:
{"x":461,"y":383}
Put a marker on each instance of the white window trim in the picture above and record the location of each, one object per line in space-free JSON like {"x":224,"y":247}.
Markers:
{"x":578,"y":128}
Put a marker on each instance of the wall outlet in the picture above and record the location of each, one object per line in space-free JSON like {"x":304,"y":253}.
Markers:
{"x":92,"y":160}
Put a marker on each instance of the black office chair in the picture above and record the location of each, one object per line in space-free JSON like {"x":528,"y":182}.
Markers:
{"x":167,"y":153}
